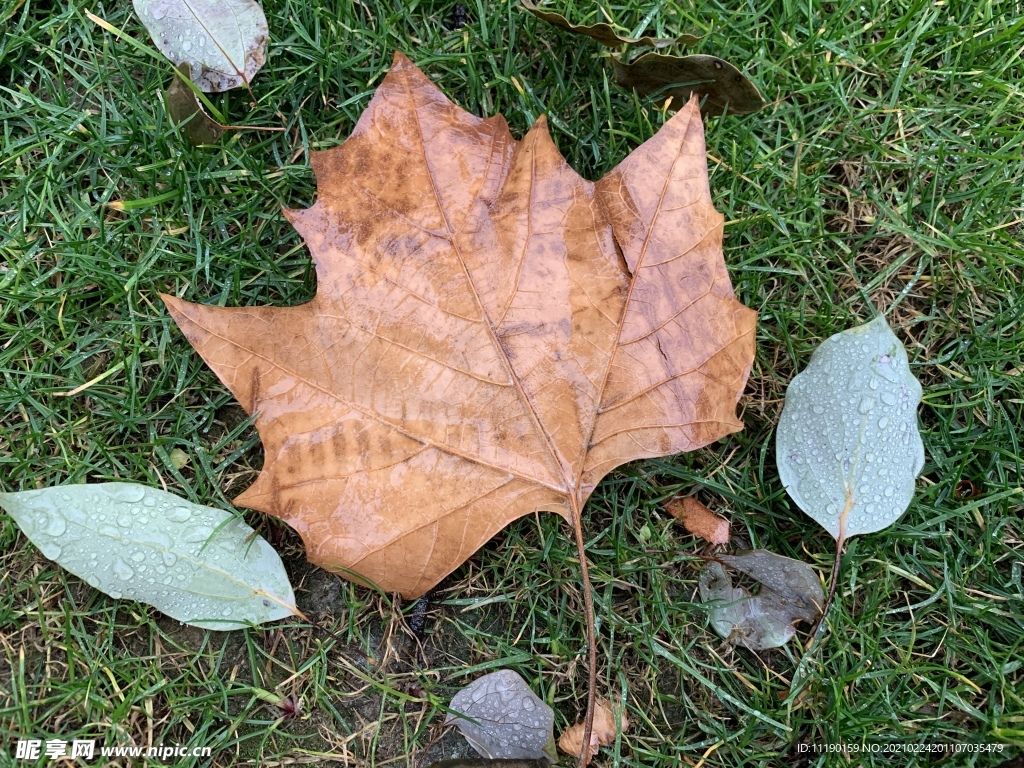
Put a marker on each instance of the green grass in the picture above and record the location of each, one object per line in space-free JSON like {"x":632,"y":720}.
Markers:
{"x":886,"y":170}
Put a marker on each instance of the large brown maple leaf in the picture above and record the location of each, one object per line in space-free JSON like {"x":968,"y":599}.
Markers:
{"x":491,"y":335}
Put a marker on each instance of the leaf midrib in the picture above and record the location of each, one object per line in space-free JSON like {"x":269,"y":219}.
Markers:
{"x":569,"y":484}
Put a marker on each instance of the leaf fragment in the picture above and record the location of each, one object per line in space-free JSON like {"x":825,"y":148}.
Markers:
{"x":699,"y":520}
{"x":502,"y":718}
{"x":847,"y":446}
{"x":178,"y":458}
{"x":184,"y":108}
{"x":790,"y":592}
{"x":603,"y":32}
{"x":224,"y":42}
{"x":603,"y":733}
{"x":724,"y":88}
{"x":197,"y":564}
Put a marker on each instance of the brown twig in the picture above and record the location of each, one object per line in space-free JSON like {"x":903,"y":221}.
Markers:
{"x":588,"y":603}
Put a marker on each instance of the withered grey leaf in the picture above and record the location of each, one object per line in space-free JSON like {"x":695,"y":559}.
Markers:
{"x":794,"y":581}
{"x":790,"y":592}
{"x":727,"y":90}
{"x":502,"y":718}
{"x":484,"y":763}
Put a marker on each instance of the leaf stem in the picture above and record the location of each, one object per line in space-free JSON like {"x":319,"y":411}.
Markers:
{"x":588,"y":603}
{"x":833,"y":582}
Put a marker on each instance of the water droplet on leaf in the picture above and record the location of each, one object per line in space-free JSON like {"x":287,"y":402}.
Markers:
{"x":51,"y":549}
{"x":179,"y":514}
{"x":122,"y":570}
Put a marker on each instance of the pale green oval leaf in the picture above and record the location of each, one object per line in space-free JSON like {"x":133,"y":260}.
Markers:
{"x":502,"y":718}
{"x":790,"y":592}
{"x":197,"y":564}
{"x":847,"y":446}
{"x":224,"y":42}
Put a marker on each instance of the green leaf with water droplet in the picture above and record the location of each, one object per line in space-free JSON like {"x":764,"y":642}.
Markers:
{"x":224,"y":42}
{"x":847,"y":446}
{"x":197,"y":564}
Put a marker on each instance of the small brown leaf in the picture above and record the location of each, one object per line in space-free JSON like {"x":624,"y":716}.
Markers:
{"x":604,"y":33}
{"x":699,"y":520}
{"x":726,"y":88}
{"x":604,"y":722}
{"x":965,"y":489}
{"x":185,"y":110}
{"x":601,"y":735}
{"x":571,"y":742}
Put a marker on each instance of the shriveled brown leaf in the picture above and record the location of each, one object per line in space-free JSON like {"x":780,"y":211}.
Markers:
{"x":604,"y":722}
{"x":727,"y":90}
{"x":571,"y":742}
{"x":185,"y":109}
{"x":603,"y":32}
{"x":699,"y":520}
{"x":602,"y":734}
{"x":491,"y":335}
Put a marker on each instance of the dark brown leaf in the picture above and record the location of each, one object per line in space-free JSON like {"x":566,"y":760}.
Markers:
{"x":604,"y":33}
{"x":723,"y":87}
{"x":185,"y":110}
